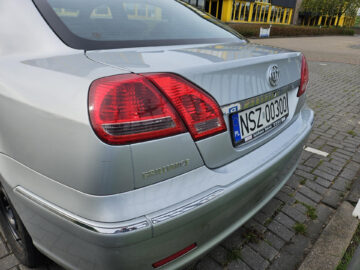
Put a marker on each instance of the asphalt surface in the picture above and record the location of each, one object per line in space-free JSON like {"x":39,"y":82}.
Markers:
{"x":273,"y":239}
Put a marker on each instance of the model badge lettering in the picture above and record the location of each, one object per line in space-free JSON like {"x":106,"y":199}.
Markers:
{"x":165,"y":169}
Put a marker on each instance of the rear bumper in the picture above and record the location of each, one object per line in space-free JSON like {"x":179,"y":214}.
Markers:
{"x":203,"y":207}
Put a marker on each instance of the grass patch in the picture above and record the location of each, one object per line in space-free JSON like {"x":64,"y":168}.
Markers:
{"x":352,"y":133}
{"x":355,"y":242}
{"x":233,"y":255}
{"x":268,"y":221}
{"x":310,"y":211}
{"x":252,"y":235}
{"x":303,"y":182}
{"x":300,"y":228}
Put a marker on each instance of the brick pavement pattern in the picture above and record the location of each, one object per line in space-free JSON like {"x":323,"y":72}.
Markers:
{"x":281,"y":234}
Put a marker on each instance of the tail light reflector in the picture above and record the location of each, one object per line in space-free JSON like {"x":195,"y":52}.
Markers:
{"x":128,"y":108}
{"x":200,"y":112}
{"x":131,"y":108}
{"x":174,"y":256}
{"x":304,"y":76}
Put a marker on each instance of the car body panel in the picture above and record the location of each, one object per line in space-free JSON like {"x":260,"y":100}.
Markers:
{"x":208,"y":224}
{"x":82,"y":200}
{"x":153,"y":198}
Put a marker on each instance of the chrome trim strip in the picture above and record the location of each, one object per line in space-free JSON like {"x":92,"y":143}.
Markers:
{"x":99,"y":227}
{"x":186,"y":208}
{"x":243,"y":104}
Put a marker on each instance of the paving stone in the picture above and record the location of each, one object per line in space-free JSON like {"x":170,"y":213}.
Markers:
{"x":330,"y":168}
{"x":274,"y":240}
{"x":298,"y":245}
{"x":304,"y":168}
{"x":301,"y":208}
{"x":219,"y":254}
{"x":280,"y":230}
{"x":338,"y":162}
{"x":8,"y":262}
{"x":332,"y":198}
{"x":334,"y":144}
{"x":261,"y":217}
{"x":312,"y":162}
{"x":353,"y":166}
{"x":284,"y":197}
{"x":310,"y":194}
{"x":341,"y":184}
{"x":356,"y":157}
{"x":316,"y":187}
{"x":293,"y":254}
{"x":303,"y":199}
{"x":294,"y":181}
{"x":3,"y":250}
{"x":348,"y":174}
{"x":237,"y":265}
{"x":323,"y":182}
{"x":354,"y":194}
{"x":340,"y":155}
{"x":305,"y":175}
{"x":345,"y":152}
{"x":207,"y":263}
{"x":326,"y":148}
{"x":265,"y":250}
{"x":315,"y":227}
{"x":324,"y":175}
{"x":271,"y":207}
{"x":253,"y":259}
{"x":252,"y":224}
{"x":285,"y":261}
{"x":287,"y":190}
{"x":285,"y":220}
{"x":292,"y":212}
{"x":235,"y":240}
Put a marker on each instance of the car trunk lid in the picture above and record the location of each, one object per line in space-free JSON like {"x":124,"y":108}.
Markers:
{"x":231,"y":73}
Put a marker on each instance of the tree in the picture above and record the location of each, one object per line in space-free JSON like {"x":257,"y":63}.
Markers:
{"x":331,"y":8}
{"x":348,"y":7}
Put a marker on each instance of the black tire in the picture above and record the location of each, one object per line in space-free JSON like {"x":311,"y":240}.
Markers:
{"x":16,"y":235}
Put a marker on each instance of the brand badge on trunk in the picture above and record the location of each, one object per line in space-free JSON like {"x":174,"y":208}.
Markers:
{"x":273,"y":75}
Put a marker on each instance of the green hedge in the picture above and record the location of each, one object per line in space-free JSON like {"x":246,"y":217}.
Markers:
{"x":253,"y":30}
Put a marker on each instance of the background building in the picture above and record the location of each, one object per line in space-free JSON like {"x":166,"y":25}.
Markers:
{"x":268,"y":12}
{"x":249,"y":11}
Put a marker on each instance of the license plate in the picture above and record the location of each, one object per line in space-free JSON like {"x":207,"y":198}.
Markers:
{"x":254,"y":122}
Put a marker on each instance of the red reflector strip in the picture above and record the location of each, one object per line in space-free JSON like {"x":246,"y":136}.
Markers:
{"x":174,"y":256}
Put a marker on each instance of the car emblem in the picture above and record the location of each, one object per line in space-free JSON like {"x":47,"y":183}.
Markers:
{"x":273,"y":75}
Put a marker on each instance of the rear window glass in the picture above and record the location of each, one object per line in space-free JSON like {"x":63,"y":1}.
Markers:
{"x":100,"y":24}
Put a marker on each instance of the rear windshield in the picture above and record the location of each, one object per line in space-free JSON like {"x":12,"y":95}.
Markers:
{"x":102,"y":24}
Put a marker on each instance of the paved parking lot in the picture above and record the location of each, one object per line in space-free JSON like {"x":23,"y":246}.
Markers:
{"x":282,"y":233}
{"x":339,"y":49}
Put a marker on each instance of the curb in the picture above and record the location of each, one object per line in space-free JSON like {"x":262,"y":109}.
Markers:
{"x":355,"y":261}
{"x":329,"y":249}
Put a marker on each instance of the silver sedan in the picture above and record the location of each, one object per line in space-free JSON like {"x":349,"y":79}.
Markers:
{"x":138,"y":134}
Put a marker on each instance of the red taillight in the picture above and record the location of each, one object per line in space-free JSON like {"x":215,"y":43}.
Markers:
{"x":128,"y":108}
{"x":132,"y":108}
{"x":174,"y":256}
{"x":304,"y":76}
{"x":200,"y":112}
